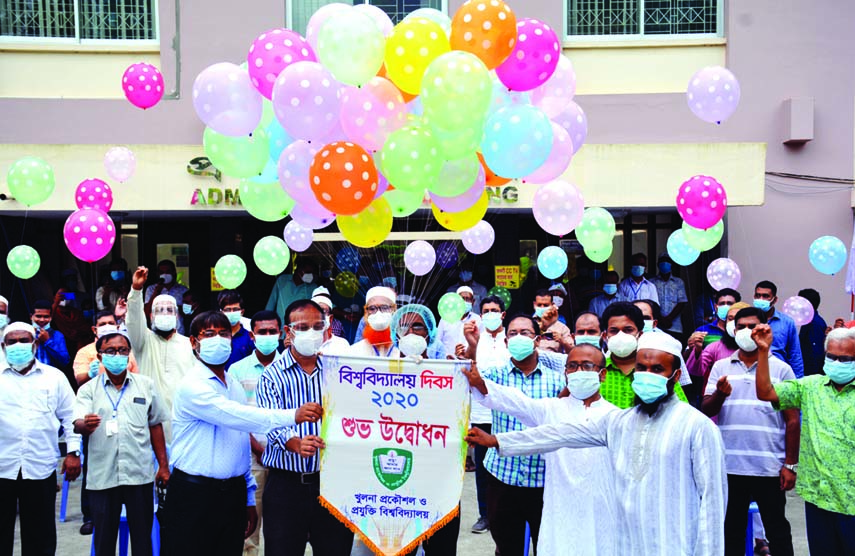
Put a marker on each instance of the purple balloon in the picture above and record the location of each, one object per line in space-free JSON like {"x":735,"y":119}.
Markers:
{"x":294,"y":163}
{"x":558,"y":207}
{"x":713,"y":94}
{"x":799,"y":309}
{"x":559,"y":158}
{"x":446,"y":255}
{"x":534,"y":57}
{"x":419,"y":257}
{"x":306,"y":101}
{"x":371,"y":112}
{"x":479,"y":238}
{"x":723,"y":273}
{"x":271,"y":53}
{"x":553,"y":96}
{"x":382,"y":184}
{"x":466,"y":199}
{"x":297,"y":237}
{"x":309,"y":215}
{"x":574,"y":120}
{"x":226,"y":101}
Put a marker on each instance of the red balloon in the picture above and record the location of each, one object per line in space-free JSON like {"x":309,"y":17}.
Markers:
{"x":343,"y":178}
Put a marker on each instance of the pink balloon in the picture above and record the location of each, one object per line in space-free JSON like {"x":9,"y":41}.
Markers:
{"x":143,"y":85}
{"x":713,"y":94}
{"x":574,"y":120}
{"x":553,"y":96}
{"x":297,"y":237}
{"x":799,"y":309}
{"x":371,"y":112}
{"x":272,"y":52}
{"x":558,"y":207}
{"x":533,"y":59}
{"x":306,"y":101}
{"x":464,"y":200}
{"x":319,"y":18}
{"x":701,"y":202}
{"x":89,"y":234}
{"x":559,"y":158}
{"x":419,"y":257}
{"x":479,"y":238}
{"x":120,"y":163}
{"x":723,"y":273}
{"x":226,"y":101}
{"x":312,"y":215}
{"x":294,"y":163}
{"x":93,"y":193}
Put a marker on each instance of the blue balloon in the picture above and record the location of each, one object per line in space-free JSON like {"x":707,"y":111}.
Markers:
{"x":827,"y":254}
{"x":347,"y":260}
{"x":679,"y":249}
{"x":552,"y":262}
{"x":446,"y":255}
{"x":278,"y":138}
{"x":517,"y":140}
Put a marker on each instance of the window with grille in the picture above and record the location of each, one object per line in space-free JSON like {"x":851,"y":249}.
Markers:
{"x":299,"y":11}
{"x":78,"y":20}
{"x":634,"y":18}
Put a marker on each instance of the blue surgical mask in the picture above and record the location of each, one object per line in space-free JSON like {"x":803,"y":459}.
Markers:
{"x":465,"y":275}
{"x":649,"y":386}
{"x":839,"y":372}
{"x":492,"y":321}
{"x":520,"y":347}
{"x":648,"y":326}
{"x":37,"y":327}
{"x":590,"y":340}
{"x":4,"y":321}
{"x":266,"y":343}
{"x":610,"y":289}
{"x":762,"y":304}
{"x":187,"y":309}
{"x":19,"y":355}
{"x":638,"y":271}
{"x":596,"y":274}
{"x":215,"y":351}
{"x":665,"y":268}
{"x":117,"y":275}
{"x":115,"y":364}
{"x":233,"y":316}
{"x":721,"y":311}
{"x":538,"y":311}
{"x":468,"y":306}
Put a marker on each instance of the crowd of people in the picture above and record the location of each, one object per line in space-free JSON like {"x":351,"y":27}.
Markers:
{"x":604,"y":431}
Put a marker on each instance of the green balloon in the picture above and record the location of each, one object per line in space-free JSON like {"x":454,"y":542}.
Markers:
{"x":703,"y":240}
{"x":451,"y":307}
{"x":502,"y":293}
{"x":346,"y":284}
{"x":267,"y":113}
{"x":23,"y":261}
{"x":239,"y":157}
{"x":596,"y":229}
{"x":599,"y":255}
{"x":265,"y":201}
{"x":411,"y":159}
{"x":460,"y":143}
{"x":456,"y":91}
{"x":457,"y":176}
{"x":351,"y":46}
{"x":30,"y":180}
{"x":271,"y":255}
{"x":230,"y":271}
{"x":404,"y":203}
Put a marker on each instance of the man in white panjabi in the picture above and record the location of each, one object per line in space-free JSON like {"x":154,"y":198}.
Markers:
{"x":377,"y":337}
{"x":579,"y":503}
{"x":668,"y":459}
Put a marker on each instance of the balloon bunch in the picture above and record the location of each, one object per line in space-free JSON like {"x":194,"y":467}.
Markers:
{"x":701,"y":202}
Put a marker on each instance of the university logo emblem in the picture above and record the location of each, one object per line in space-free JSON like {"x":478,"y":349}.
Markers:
{"x":392,"y":466}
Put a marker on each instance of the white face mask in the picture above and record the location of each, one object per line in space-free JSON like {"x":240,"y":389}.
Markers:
{"x":164,"y":323}
{"x":583,"y":384}
{"x":558,"y":301}
{"x":167,"y":278}
{"x":308,"y":342}
{"x":731,"y":328}
{"x":744,"y":340}
{"x":380,"y":321}
{"x":307,"y":278}
{"x":622,"y":344}
{"x":412,"y":345}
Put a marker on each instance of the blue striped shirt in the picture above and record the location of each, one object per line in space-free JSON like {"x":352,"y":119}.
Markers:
{"x":284,"y":385}
{"x":543,"y":382}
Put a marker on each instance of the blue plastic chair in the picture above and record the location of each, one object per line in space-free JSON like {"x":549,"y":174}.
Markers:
{"x":63,"y":503}
{"x":125,"y":535}
{"x":527,"y":539}
{"x":749,"y":537}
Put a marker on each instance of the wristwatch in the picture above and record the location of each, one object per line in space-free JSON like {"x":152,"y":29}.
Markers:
{"x":794,"y":467}
{"x":75,"y":453}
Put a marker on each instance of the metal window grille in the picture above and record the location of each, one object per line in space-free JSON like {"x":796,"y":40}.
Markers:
{"x":642,"y":17}
{"x":117,"y":20}
{"x":302,"y":10}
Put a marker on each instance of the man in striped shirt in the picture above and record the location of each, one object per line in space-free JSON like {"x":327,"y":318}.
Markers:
{"x":292,"y":511}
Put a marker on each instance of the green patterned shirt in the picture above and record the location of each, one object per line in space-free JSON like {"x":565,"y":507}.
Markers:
{"x":617,"y":387}
{"x":826,"y":475}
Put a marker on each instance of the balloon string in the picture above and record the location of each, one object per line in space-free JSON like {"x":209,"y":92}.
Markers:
{"x":24,"y":226}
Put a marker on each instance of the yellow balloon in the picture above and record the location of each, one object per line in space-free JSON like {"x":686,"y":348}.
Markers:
{"x":463,"y":220}
{"x":412,"y":46}
{"x":370,"y":227}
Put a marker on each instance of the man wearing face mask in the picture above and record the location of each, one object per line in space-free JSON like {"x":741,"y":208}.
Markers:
{"x":668,"y":460}
{"x":763,"y":446}
{"x":562,"y":301}
{"x":827,"y":403}
{"x":672,"y":298}
{"x":515,"y":485}
{"x":579,"y":512}
{"x":334,"y":342}
{"x":554,"y":334}
{"x":4,"y":322}
{"x":231,"y":304}
{"x":51,"y":348}
{"x":291,"y":287}
{"x":116,"y":287}
{"x":610,"y":294}
{"x":86,"y":363}
{"x":465,"y":278}
{"x":376,"y":335}
{"x":711,"y":332}
{"x":163,"y":354}
{"x":785,"y":339}
{"x":35,"y":400}
{"x":450,"y":334}
{"x":121,"y":415}
{"x":587,"y":330}
{"x":292,"y":454}
{"x":166,"y":284}
{"x":636,"y":286}
{"x":190,"y":307}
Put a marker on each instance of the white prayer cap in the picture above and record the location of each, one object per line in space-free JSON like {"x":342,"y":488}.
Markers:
{"x":19,"y":327}
{"x":660,"y":341}
{"x":321,"y":290}
{"x":558,"y":287}
{"x":322,"y":297}
{"x":465,"y":289}
{"x":380,"y":291}
{"x":164,"y":299}
{"x":4,"y":301}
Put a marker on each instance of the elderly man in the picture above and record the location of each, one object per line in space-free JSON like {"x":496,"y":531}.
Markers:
{"x":376,"y":336}
{"x":121,"y":414}
{"x":450,"y":334}
{"x":827,"y":403}
{"x":163,"y":353}
{"x":579,"y":505}
{"x":167,"y":284}
{"x":668,"y":460}
{"x":35,"y":400}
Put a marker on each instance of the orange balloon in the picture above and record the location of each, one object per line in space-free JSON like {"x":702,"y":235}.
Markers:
{"x":493,"y":180}
{"x":382,"y":73}
{"x":486,"y":28}
{"x":343,"y":178}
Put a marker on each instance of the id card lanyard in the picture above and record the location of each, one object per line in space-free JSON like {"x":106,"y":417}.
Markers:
{"x":112,"y":426}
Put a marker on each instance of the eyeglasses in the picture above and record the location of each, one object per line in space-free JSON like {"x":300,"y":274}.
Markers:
{"x":305,"y":326}
{"x":526,"y":333}
{"x":373,"y":309}
{"x":841,"y":358}
{"x":572,"y":366}
{"x":214,"y":333}
{"x":416,"y":327}
{"x":114,"y":351}
{"x":164,"y":310}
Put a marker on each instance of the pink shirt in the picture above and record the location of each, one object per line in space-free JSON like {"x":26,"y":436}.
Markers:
{"x":711,"y":354}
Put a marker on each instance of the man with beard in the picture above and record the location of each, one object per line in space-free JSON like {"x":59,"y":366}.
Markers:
{"x":668,"y":459}
{"x":376,"y":336}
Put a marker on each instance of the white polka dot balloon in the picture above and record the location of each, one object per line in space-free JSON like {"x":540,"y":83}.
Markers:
{"x":306,"y":101}
{"x":143,"y":85}
{"x":713,"y":94}
{"x":93,"y":193}
{"x":553,"y":96}
{"x":558,"y":207}
{"x":534,"y":58}
{"x":723,"y":273}
{"x":479,"y":238}
{"x":297,"y":237}
{"x":574,"y":120}
{"x":226,"y":100}
{"x":272,"y":52}
{"x":419,"y":257}
{"x":701,"y":202}
{"x":89,"y":234}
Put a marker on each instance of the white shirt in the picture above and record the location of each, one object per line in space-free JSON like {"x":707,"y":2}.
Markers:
{"x":490,"y":352}
{"x":363,"y":348}
{"x":579,"y":515}
{"x":32,"y":407}
{"x":669,"y":474}
{"x":336,"y":345}
{"x":449,"y":334}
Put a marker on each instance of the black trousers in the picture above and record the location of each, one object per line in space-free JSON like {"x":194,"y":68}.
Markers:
{"x":508,"y":509}
{"x":203,"y":516}
{"x":107,"y":511}
{"x":35,"y":501}
{"x":293,"y":516}
{"x":85,"y":506}
{"x":771,"y":501}
{"x":829,"y":533}
{"x":481,"y":473}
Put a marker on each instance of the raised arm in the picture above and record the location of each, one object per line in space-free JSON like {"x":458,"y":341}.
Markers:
{"x":135,"y":319}
{"x":206,"y":405}
{"x":508,"y":400}
{"x":762,"y":336}
{"x":549,"y":438}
